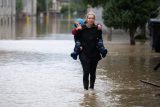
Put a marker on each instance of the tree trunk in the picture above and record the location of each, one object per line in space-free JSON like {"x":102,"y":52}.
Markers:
{"x":109,"y":34}
{"x":143,"y":31}
{"x":132,"y":31}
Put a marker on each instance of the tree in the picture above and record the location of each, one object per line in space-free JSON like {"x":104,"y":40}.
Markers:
{"x":41,"y":5}
{"x":19,"y":6}
{"x":95,"y":3}
{"x":129,"y":14}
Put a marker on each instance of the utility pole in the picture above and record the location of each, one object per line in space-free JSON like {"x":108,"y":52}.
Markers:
{"x":47,"y":13}
{"x":69,"y":14}
{"x":11,"y":8}
{"x":47,"y":16}
{"x":32,"y":7}
{"x":69,"y":10}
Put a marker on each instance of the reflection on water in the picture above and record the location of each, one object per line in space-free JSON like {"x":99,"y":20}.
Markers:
{"x":7,"y":29}
{"x":40,"y":28}
{"x":40,"y":73}
{"x":34,"y":28}
{"x":124,"y":67}
{"x":90,"y":100}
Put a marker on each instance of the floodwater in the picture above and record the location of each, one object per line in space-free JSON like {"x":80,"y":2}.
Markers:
{"x":36,"y":70}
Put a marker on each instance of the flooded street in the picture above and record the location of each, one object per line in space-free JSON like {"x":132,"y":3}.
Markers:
{"x":36,"y":70}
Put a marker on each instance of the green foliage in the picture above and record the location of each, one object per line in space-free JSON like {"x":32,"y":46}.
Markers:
{"x":19,"y":6}
{"x":64,"y":9}
{"x":41,"y":5}
{"x":95,"y":3}
{"x":127,"y":13}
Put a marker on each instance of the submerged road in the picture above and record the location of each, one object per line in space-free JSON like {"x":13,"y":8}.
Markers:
{"x":41,"y":73}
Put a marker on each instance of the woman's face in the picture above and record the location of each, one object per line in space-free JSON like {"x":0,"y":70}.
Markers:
{"x":90,"y":19}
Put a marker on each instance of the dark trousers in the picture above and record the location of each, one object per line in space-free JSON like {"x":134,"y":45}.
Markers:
{"x":89,"y":69}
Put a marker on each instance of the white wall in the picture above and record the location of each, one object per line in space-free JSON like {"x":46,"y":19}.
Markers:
{"x":7,"y":7}
{"x":30,"y":7}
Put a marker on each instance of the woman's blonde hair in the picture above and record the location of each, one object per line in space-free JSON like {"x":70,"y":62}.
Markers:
{"x":90,"y":13}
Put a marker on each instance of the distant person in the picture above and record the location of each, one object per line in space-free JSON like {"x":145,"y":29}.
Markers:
{"x":92,"y":49}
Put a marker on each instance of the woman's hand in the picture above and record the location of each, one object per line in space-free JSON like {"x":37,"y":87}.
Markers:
{"x":99,"y":26}
{"x":79,"y":27}
{"x":81,"y":48}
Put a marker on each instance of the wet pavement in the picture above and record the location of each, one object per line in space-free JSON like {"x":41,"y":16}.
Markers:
{"x":39,"y":72}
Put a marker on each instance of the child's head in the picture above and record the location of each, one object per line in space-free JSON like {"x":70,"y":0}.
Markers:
{"x":79,"y":21}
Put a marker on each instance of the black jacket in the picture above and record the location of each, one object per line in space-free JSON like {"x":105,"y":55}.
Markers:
{"x":89,"y":38}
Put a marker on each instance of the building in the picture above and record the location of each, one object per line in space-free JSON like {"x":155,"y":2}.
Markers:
{"x":57,"y":5}
{"x":7,"y":19}
{"x":30,"y":7}
{"x":7,"y":9}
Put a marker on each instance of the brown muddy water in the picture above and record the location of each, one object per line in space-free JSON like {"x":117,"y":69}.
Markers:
{"x":36,"y":70}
